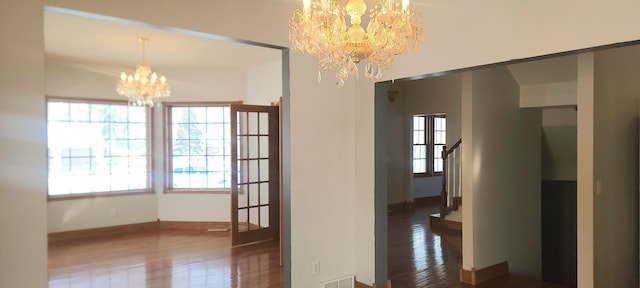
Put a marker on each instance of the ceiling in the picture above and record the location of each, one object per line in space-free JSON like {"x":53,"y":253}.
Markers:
{"x":91,"y":40}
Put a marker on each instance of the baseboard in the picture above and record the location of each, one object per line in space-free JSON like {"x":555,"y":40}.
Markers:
{"x":187,"y":225}
{"x":362,"y":285}
{"x":118,"y":230}
{"x":476,"y":277}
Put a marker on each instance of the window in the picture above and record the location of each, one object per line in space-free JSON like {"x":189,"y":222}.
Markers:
{"x":97,"y":147}
{"x":199,"y":152}
{"x":429,"y":139}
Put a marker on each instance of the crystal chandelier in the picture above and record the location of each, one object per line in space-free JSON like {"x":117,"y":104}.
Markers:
{"x":320,"y":30}
{"x":144,"y":87}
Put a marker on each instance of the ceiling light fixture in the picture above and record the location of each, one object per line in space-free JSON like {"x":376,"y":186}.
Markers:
{"x":144,"y":87}
{"x":320,"y":30}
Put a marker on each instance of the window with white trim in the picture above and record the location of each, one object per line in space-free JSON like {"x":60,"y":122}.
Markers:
{"x":199,"y":152}
{"x":429,"y":136}
{"x":97,"y":146}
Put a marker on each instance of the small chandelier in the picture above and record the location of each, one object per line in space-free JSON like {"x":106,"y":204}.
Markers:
{"x":320,"y":30}
{"x":144,"y":87}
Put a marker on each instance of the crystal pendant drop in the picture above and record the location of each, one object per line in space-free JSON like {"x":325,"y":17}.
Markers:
{"x":319,"y":76}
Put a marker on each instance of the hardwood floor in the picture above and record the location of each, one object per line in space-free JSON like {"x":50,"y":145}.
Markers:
{"x":418,"y":257}
{"x":179,"y":258}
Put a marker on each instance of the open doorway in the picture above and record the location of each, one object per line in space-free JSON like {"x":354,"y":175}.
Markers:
{"x":84,"y":56}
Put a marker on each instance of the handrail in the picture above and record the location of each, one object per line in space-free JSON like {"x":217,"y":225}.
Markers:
{"x":446,"y":152}
{"x":451,"y":175}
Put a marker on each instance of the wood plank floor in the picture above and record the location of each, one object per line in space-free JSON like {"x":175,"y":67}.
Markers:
{"x":179,"y":258}
{"x":418,"y":257}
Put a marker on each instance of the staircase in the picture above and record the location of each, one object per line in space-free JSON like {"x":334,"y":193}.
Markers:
{"x":450,"y":215}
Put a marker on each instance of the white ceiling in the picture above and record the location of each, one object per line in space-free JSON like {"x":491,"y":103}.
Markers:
{"x":101,"y":41}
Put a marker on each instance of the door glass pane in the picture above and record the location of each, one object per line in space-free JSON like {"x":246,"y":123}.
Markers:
{"x":253,"y":194}
{"x":264,"y":193}
{"x":253,"y":170}
{"x":242,"y":122}
{"x":243,"y":220}
{"x":254,"y":215}
{"x":264,"y":123}
{"x":242,"y":147}
{"x":244,"y":171}
{"x":243,"y":195}
{"x":264,"y":147}
{"x":253,"y":147}
{"x":264,"y":217}
{"x":253,"y":123}
{"x":264,"y":170}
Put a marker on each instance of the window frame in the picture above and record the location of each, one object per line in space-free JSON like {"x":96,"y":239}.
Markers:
{"x":149,"y":148}
{"x":168,"y":147}
{"x":429,"y":141}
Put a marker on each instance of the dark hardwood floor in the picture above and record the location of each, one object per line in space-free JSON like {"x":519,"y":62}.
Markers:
{"x":418,"y":257}
{"x":421,"y":257}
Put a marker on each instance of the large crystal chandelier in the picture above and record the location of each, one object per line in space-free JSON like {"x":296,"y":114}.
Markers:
{"x":320,"y":30}
{"x":144,"y":87}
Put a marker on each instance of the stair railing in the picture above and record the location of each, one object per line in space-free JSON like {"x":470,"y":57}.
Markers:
{"x":451,"y":195}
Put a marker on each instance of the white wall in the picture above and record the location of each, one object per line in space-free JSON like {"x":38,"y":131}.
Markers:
{"x":505,"y":161}
{"x":322,"y":149}
{"x":617,"y":95}
{"x":560,"y":144}
{"x":549,"y":95}
{"x":264,"y":83}
{"x":460,"y":34}
{"x":91,"y":80}
{"x":23,"y":168}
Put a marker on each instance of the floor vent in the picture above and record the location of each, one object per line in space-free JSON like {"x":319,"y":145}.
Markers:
{"x":345,"y":282}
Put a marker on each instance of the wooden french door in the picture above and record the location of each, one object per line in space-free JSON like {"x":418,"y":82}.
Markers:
{"x":255,"y":181}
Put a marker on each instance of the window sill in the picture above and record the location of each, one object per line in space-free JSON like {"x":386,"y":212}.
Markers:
{"x":97,"y":195}
{"x":424,"y":175}
{"x":197,"y":191}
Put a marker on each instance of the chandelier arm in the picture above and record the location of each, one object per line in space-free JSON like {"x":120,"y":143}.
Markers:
{"x":320,"y":29}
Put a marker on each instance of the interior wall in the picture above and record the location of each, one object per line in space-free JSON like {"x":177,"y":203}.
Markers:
{"x":91,"y":80}
{"x":506,"y":175}
{"x":264,"y":83}
{"x":23,"y":167}
{"x":586,"y":164}
{"x":560,"y":144}
{"x":322,"y":148}
{"x":616,"y":167}
{"x":397,"y":133}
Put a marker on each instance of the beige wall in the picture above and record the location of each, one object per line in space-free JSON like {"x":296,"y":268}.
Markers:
{"x":585,"y":170}
{"x":23,"y":168}
{"x":264,"y":83}
{"x":617,"y":95}
{"x":505,"y":156}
